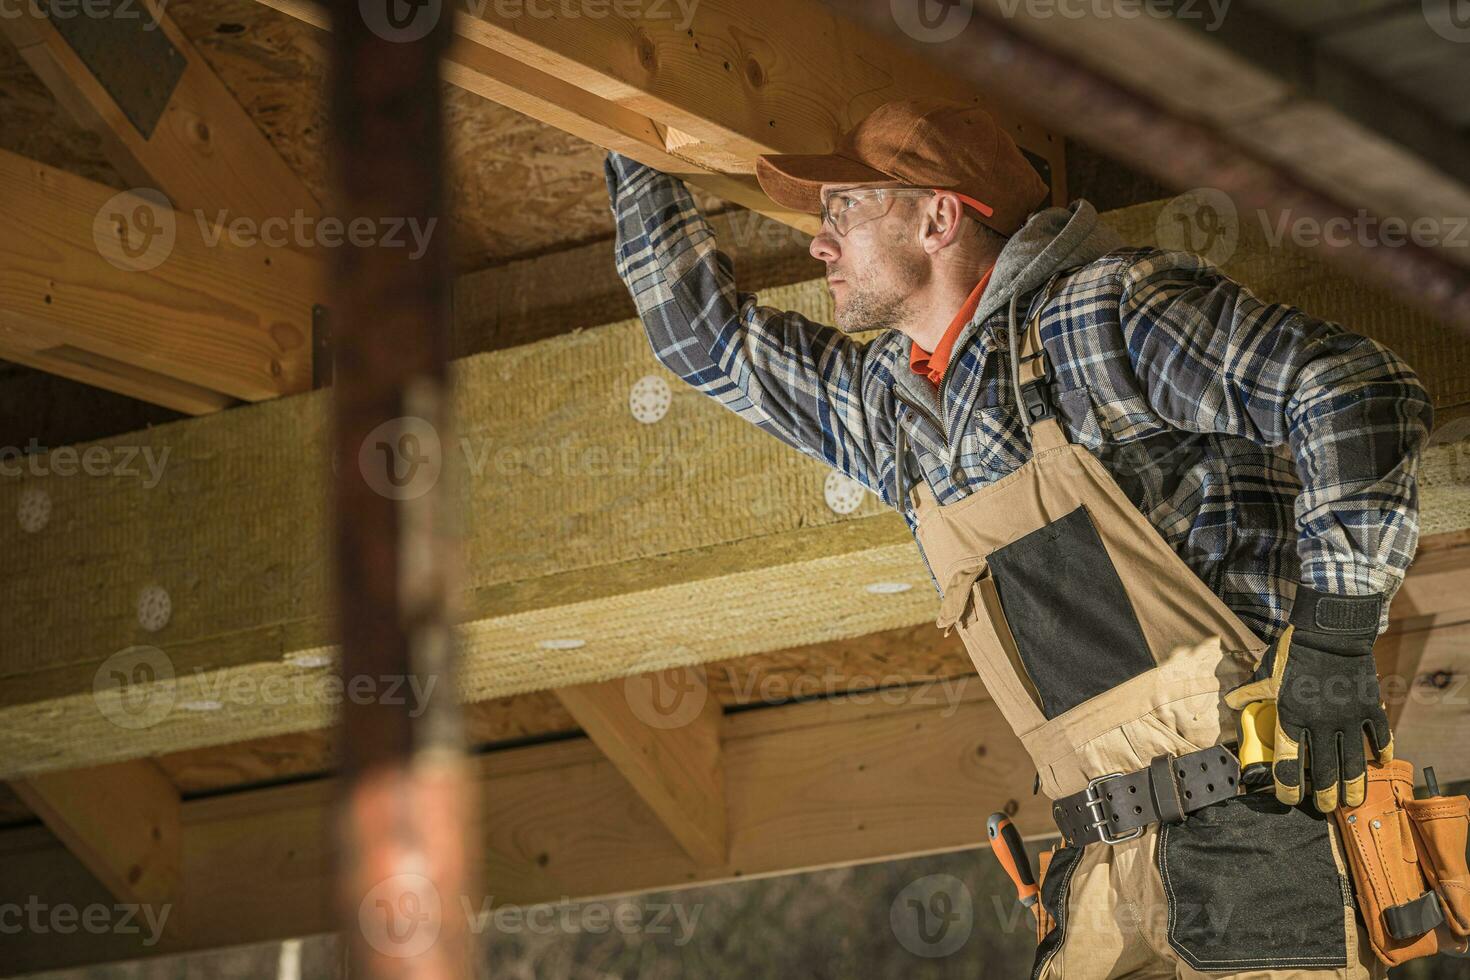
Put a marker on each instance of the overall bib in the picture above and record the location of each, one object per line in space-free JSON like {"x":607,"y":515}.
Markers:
{"x":1107,"y":654}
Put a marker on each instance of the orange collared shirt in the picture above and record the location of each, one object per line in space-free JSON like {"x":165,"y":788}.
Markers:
{"x":933,"y":365}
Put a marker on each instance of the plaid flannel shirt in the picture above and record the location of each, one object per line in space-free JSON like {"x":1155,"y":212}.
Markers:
{"x":1267,"y":447}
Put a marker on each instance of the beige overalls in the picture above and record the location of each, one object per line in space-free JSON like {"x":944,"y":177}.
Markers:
{"x":1103,"y":649}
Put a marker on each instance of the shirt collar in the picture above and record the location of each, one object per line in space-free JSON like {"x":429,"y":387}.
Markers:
{"x":933,"y":364}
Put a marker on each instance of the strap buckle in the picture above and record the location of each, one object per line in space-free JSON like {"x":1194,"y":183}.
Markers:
{"x":1037,"y":401}
{"x":1094,"y":802}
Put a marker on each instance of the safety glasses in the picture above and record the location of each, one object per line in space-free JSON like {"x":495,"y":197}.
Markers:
{"x":843,"y":210}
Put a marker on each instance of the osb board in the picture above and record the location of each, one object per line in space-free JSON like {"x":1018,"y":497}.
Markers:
{"x":33,"y":125}
{"x":515,"y":186}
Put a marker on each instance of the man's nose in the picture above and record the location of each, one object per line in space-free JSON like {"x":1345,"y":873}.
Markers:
{"x":824,"y":247}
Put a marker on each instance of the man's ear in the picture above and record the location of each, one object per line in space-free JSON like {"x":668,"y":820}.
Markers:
{"x":943,"y":222}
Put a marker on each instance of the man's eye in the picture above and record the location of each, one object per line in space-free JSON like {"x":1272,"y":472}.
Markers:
{"x":840,"y":203}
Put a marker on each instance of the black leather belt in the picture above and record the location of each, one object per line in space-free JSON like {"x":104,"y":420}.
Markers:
{"x":1119,"y":806}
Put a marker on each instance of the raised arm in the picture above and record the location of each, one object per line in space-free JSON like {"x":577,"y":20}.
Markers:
{"x":809,"y":385}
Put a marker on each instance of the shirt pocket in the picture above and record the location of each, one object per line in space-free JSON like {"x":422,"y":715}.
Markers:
{"x":993,"y":444}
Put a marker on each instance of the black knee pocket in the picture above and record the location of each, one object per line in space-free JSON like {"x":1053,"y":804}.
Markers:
{"x":1252,"y":884}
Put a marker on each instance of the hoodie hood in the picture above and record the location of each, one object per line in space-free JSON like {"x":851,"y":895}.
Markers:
{"x":1052,"y":241}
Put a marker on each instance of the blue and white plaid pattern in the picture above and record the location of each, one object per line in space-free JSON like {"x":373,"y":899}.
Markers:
{"x":1267,"y":447}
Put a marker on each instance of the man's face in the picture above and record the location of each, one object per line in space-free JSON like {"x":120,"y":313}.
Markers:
{"x":874,"y":267}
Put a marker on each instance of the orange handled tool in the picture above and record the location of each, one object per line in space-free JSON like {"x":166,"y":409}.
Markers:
{"x":1005,"y":841}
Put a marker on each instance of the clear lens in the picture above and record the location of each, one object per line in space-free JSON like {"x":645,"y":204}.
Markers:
{"x":844,"y":210}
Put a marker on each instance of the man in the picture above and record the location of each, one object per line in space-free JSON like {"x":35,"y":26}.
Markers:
{"x":1132,"y":481}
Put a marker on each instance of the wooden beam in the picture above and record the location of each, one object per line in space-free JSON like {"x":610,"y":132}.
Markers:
{"x":812,"y":785}
{"x":203,"y":151}
{"x":120,"y":821}
{"x":555,"y":594}
{"x":662,"y":731}
{"x":701,"y":99}
{"x":96,"y":283}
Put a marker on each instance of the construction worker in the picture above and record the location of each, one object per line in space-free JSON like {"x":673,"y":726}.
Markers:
{"x":1138,"y":489}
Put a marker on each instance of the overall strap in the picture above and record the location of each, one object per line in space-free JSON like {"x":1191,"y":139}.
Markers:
{"x":1031,"y":375}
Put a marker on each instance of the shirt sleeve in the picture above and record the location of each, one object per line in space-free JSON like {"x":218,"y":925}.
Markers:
{"x":1215,"y":359}
{"x":809,"y":385}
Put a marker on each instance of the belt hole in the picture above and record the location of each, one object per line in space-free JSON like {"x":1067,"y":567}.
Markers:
{"x":1188,"y":795}
{"x":1209,"y":787}
{"x":1231,"y":779}
{"x":1133,"y":789}
{"x":1181,"y":774}
{"x":1222,"y":760}
{"x":1204,"y":767}
{"x":1138,"y":809}
{"x":1110,"y":796}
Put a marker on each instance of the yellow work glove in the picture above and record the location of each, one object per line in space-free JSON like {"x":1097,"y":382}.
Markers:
{"x":1325,"y":688}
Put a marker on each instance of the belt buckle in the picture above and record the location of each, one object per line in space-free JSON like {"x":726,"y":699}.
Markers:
{"x":1095,"y":805}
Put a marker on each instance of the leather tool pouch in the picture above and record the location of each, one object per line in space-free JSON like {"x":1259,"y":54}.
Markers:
{"x":1400,"y":869}
{"x":1044,"y":921}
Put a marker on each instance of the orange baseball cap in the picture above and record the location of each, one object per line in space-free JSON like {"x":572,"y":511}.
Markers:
{"x":921,"y":143}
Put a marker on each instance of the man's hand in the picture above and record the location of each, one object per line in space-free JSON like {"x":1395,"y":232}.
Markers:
{"x":1323,"y":681}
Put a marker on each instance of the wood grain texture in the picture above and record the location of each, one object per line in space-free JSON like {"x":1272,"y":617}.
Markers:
{"x":204,"y":152}
{"x":128,"y":279}
{"x":120,"y":821}
{"x":811,"y":785}
{"x":662,"y":732}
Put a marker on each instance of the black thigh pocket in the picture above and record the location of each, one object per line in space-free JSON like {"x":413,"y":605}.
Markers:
{"x":1252,"y":884}
{"x":1074,"y":627}
{"x":1054,"y":889}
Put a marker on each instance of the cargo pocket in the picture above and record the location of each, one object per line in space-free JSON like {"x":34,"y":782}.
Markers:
{"x":1252,"y":884}
{"x":1073,"y":625}
{"x":1055,"y":886}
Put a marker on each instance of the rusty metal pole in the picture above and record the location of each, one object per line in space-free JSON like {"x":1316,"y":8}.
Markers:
{"x":406,"y":848}
{"x":1150,"y":136}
